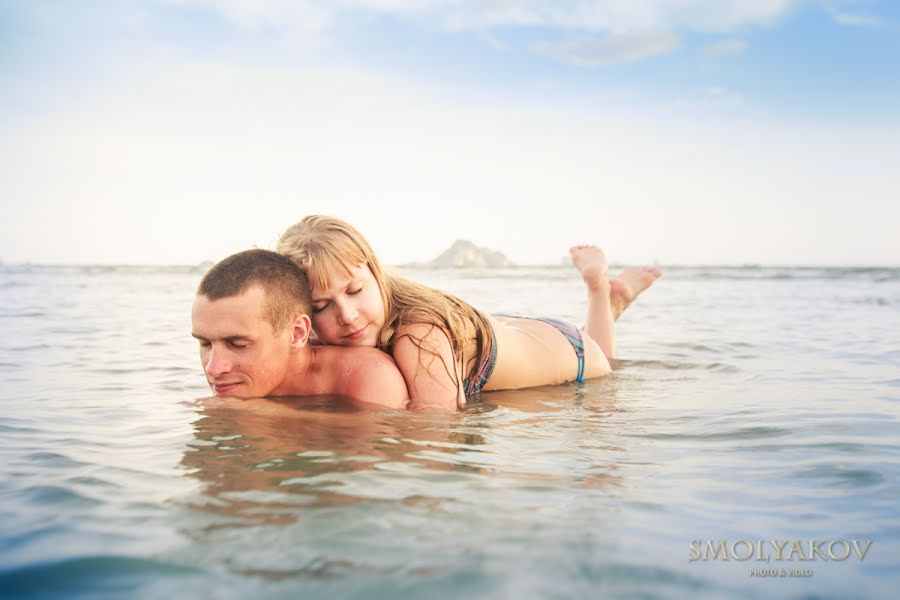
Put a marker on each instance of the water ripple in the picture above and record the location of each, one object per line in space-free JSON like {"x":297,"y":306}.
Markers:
{"x":840,"y":476}
{"x":677,"y":365}
{"x":746,"y":433}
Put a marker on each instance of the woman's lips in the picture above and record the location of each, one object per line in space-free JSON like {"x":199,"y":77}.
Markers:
{"x":357,"y":334}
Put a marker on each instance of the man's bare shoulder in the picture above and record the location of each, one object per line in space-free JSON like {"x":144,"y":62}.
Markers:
{"x":349,"y":356}
{"x":366,"y":374}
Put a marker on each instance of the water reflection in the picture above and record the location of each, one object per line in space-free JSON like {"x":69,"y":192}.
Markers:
{"x":261,"y":461}
{"x":257,"y":458}
{"x":317,"y":487}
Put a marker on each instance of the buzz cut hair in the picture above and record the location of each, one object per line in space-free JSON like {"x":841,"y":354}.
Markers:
{"x":286,"y":291}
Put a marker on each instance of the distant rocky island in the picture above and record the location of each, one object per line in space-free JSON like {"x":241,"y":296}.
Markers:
{"x":464,"y":253}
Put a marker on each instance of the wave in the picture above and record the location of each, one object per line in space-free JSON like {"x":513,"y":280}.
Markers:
{"x":85,"y":574}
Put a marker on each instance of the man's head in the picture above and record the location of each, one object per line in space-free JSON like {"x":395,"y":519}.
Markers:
{"x":284,"y":284}
{"x":250,"y":314}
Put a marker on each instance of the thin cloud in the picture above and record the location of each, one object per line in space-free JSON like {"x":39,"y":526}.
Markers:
{"x":725,"y":47}
{"x":299,"y":16}
{"x":578,"y":15}
{"x":723,"y":95}
{"x":492,"y":41}
{"x":706,"y":100}
{"x":851,"y":20}
{"x":615,"y":48}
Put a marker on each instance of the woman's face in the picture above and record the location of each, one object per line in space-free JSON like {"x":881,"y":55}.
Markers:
{"x":350,"y":312}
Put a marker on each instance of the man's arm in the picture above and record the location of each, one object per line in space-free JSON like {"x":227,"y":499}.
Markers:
{"x":375,"y":379}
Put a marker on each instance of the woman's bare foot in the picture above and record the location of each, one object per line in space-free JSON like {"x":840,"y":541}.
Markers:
{"x":625,"y":288}
{"x":591,"y":261}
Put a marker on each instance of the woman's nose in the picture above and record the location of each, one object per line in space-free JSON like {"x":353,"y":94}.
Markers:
{"x":347,"y":313}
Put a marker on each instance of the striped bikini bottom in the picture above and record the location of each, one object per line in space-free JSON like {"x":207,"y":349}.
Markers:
{"x":476,"y":381}
{"x":573,"y":334}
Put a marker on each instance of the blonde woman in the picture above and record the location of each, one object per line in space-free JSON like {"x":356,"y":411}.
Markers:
{"x":445,"y":349}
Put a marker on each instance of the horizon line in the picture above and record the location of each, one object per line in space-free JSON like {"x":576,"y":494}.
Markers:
{"x":617,"y":264}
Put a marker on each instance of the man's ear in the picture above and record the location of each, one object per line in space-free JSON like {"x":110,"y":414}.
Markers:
{"x":300,"y":331}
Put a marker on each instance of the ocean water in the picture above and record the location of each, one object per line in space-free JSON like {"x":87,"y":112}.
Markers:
{"x":756,"y":404}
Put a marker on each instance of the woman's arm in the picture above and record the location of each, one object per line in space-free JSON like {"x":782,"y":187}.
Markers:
{"x":425,"y":358}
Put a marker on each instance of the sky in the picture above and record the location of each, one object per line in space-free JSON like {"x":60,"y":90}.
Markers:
{"x":666,"y":131}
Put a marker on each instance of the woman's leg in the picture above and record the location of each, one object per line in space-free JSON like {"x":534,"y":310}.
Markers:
{"x":591,"y":262}
{"x":532,"y":352}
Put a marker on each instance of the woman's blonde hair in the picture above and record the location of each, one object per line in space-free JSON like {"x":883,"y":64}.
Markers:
{"x":322,"y":246}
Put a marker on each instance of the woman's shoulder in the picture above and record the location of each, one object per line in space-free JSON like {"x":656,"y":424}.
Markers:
{"x":419,"y":330}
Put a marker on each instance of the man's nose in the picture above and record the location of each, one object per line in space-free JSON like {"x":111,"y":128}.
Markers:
{"x":217,"y":362}
{"x":347,"y":313}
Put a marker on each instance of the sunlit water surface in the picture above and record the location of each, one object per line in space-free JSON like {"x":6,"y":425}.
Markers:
{"x":750,"y":404}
